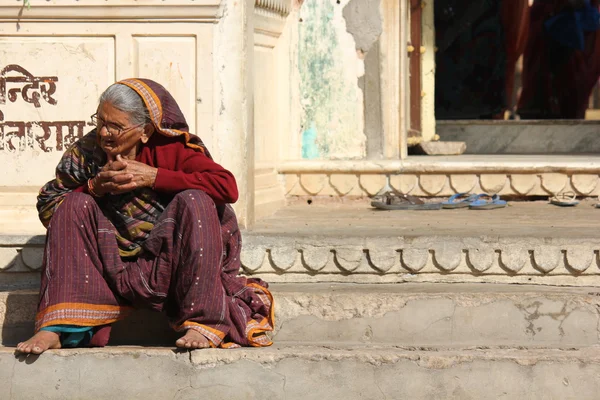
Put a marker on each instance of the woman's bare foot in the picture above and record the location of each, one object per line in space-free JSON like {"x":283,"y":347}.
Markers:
{"x":192,"y":340}
{"x":39,"y":343}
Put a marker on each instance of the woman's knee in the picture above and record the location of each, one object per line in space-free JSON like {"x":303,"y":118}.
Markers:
{"x":195,"y":201}
{"x":76,"y":203}
{"x":194,"y":196}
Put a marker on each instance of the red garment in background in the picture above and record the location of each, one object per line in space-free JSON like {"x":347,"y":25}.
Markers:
{"x":556,"y":87}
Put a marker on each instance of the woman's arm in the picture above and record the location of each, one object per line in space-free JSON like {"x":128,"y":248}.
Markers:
{"x":197,"y":171}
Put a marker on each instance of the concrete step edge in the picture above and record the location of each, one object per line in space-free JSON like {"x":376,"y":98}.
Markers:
{"x":313,"y":352}
{"x":401,"y":314}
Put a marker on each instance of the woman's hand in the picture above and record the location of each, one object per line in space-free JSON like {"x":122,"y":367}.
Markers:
{"x":121,"y":176}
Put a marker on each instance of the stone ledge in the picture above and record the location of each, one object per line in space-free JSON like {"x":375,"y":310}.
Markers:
{"x":519,"y":259}
{"x":312,"y":258}
{"x":519,"y":176}
{"x":299,"y":372}
{"x":440,"y":184}
{"x":102,"y":10}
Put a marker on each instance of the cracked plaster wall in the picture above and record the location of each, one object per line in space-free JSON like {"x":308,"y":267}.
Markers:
{"x":339,"y":79}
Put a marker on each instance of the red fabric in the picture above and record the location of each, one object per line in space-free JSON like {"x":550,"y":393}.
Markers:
{"x":181,"y":168}
{"x":550,"y":90}
{"x":189,"y":270}
{"x":101,"y":336}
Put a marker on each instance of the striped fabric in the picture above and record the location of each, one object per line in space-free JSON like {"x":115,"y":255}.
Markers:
{"x":188,"y":269}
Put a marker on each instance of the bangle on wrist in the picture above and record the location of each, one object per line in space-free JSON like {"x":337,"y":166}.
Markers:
{"x":91,"y":188}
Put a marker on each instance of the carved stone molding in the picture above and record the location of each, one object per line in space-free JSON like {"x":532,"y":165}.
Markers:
{"x":384,"y":259}
{"x":269,"y":21}
{"x":103,"y":10}
{"x":431,"y":185}
{"x":274,"y":7}
{"x":436,"y":258}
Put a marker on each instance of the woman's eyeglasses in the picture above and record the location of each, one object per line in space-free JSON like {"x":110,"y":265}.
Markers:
{"x":112,"y":129}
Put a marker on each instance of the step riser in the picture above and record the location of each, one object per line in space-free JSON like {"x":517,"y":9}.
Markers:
{"x":404,"y":315}
{"x":297,"y":373}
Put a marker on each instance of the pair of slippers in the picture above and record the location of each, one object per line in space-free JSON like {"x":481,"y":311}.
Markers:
{"x":392,"y":200}
{"x":480,"y":201}
{"x":564,"y":199}
{"x":568,"y":199}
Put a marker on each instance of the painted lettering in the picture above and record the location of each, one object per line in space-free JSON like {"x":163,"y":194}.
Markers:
{"x":29,"y":87}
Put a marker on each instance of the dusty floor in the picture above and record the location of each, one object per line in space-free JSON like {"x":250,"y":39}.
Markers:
{"x":358,"y":218}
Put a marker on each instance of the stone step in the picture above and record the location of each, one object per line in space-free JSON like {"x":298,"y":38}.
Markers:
{"x":529,"y":242}
{"x":465,"y":315}
{"x":295,"y":371}
{"x":523,"y":137}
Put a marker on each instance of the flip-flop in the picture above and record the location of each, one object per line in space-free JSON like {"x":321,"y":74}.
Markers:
{"x":459,"y":200}
{"x":487,"y":202}
{"x":564,"y":199}
{"x":393,"y":200}
{"x":597,"y":205}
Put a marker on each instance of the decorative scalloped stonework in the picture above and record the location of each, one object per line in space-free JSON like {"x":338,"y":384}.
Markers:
{"x":283,"y":257}
{"x":439,"y":259}
{"x":546,"y":258}
{"x":348,"y":259}
{"x":382,"y":259}
{"x":433,"y":184}
{"x":523,"y":184}
{"x":313,"y":183}
{"x":480,"y":258}
{"x":404,"y":183}
{"x":315,"y":258}
{"x":584,"y":184}
{"x":414,"y":259}
{"x":578,"y":258}
{"x":447,"y":255}
{"x":343,"y":183}
{"x":372,"y":184}
{"x":514,"y":259}
{"x":463,"y":183}
{"x":493,"y":183}
{"x":429,"y":185}
{"x":553,"y":183}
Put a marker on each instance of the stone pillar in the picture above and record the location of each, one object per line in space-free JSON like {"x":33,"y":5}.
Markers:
{"x":234,"y":124}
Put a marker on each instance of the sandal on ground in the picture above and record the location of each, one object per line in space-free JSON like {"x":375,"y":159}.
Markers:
{"x":597,"y":205}
{"x":564,"y":199}
{"x":393,"y":200}
{"x":487,"y":202}
{"x":459,"y":200}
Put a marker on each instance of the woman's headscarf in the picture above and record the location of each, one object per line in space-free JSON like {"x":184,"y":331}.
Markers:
{"x":165,"y":114}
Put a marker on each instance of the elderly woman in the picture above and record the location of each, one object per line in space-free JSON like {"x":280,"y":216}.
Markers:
{"x":138,"y":216}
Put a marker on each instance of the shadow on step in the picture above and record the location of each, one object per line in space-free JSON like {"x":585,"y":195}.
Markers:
{"x":142,"y":328}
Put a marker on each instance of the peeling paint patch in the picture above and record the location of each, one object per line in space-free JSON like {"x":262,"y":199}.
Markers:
{"x":332,"y":102}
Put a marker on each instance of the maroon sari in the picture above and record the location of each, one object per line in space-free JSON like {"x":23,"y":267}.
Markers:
{"x":187,"y":243}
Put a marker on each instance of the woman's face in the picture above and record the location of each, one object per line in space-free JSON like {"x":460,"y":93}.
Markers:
{"x":125,"y":143}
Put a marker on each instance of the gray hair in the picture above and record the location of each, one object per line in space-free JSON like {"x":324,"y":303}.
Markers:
{"x":125,"y":99}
